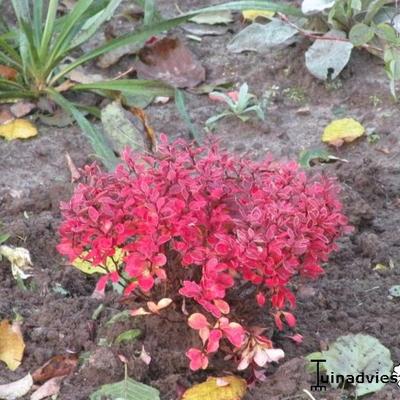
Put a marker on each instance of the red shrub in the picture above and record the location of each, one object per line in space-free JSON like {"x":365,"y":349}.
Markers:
{"x":221,"y":220}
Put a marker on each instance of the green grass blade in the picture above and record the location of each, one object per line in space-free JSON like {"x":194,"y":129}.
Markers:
{"x":181,"y":106}
{"x":95,"y":137}
{"x":69,"y":25}
{"x":262,"y":5}
{"x":37,"y":21}
{"x":5,"y":83}
{"x":22,"y":10}
{"x":149,"y":12}
{"x":93,"y":23}
{"x":48,"y":31}
{"x":130,"y":86}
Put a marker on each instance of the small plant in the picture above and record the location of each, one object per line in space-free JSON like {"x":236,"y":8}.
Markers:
{"x":239,"y":104}
{"x":199,"y":223}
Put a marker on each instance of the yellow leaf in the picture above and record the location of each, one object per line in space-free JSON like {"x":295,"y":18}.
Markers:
{"x":11,"y":344}
{"x":111,"y":262}
{"x":252,"y":15}
{"x":233,"y":388}
{"x":342,"y":130}
{"x":18,"y":129}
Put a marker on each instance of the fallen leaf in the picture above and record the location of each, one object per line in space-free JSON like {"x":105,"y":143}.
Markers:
{"x":58,"y":118}
{"x":128,"y":336}
{"x":112,"y":57}
{"x":219,"y":17}
{"x":18,"y":129}
{"x":17,"y":389}
{"x":315,"y":6}
{"x":342,"y":130}
{"x":144,"y":356}
{"x":170,"y":61}
{"x":20,"y":260}
{"x":380,"y":267}
{"x":50,"y":388}
{"x":80,"y":76}
{"x":59,"y":365}
{"x":22,"y":108}
{"x":11,"y":344}
{"x":8,"y":73}
{"x":211,"y":389}
{"x":205,"y":30}
{"x":121,"y":129}
{"x":308,"y":156}
{"x":326,"y":58}
{"x":262,"y":37}
{"x":252,"y":15}
{"x":141,"y":115}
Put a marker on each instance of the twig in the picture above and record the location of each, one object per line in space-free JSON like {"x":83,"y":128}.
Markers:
{"x":318,"y":36}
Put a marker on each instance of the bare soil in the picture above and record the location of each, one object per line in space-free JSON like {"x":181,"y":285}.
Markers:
{"x":352,"y":297}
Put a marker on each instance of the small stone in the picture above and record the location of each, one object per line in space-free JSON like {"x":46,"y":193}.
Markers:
{"x":303,"y":111}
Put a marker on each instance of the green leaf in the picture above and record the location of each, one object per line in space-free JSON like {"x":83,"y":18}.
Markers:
{"x":181,"y":107}
{"x":361,"y":34}
{"x":307,"y":156}
{"x":312,"y":365}
{"x":48,"y":31}
{"x":356,"y":354}
{"x":149,"y":12}
{"x":95,"y":137}
{"x":374,"y":7}
{"x":130,"y":87}
{"x":128,"y":336}
{"x":93,"y":23}
{"x":128,"y":389}
{"x":121,"y":316}
{"x":387,"y":33}
{"x":3,"y":237}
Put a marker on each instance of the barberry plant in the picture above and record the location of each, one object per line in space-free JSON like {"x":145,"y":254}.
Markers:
{"x":205,"y":223}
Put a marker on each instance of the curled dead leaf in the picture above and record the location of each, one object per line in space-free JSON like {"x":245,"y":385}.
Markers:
{"x":50,"y":388}
{"x":59,"y":365}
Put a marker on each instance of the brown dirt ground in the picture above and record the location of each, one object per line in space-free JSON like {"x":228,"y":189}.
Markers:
{"x":350,"y":298}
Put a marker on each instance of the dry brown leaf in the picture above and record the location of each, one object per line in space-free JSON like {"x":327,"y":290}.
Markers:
{"x":59,"y":365}
{"x":18,"y":129}
{"x":11,"y":344}
{"x":139,"y":113}
{"x":169,"y":60}
{"x":22,"y":108}
{"x":8,"y":73}
{"x":50,"y":388}
{"x":17,"y":389}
